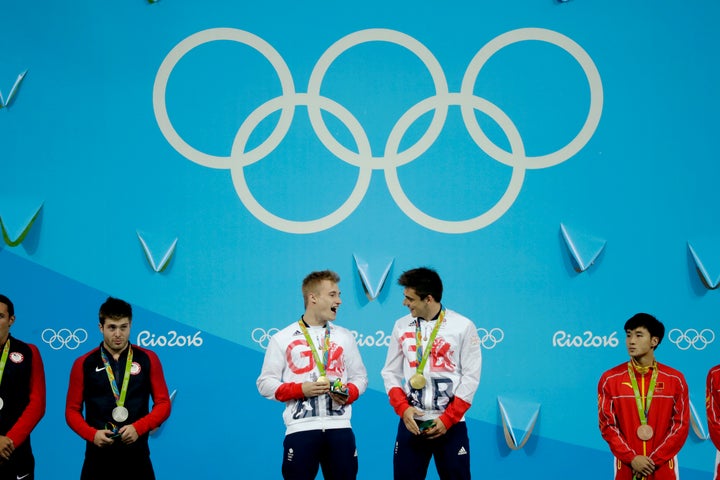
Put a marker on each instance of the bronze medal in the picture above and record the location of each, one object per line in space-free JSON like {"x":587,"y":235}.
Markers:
{"x":417,"y":381}
{"x":645,"y":432}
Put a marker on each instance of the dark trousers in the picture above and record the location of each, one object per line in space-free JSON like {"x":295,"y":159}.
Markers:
{"x":333,"y":450}
{"x":117,"y":463}
{"x":451,"y":452}
{"x":21,"y":464}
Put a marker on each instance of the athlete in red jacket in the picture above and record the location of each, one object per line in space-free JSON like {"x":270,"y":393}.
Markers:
{"x":643,"y":407}
{"x":712,"y":404}
{"x":22,"y":398}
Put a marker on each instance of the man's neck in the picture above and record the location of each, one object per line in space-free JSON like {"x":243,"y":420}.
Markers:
{"x":434,"y":311}
{"x":644,"y":361}
{"x":312,"y":321}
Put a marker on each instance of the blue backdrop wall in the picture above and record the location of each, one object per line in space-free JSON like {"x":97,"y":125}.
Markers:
{"x":555,"y":162}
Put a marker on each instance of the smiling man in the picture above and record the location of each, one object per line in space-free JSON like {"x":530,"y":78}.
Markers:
{"x":431,"y":373}
{"x":114,"y":383}
{"x":314,"y":367}
{"x":643,"y":407}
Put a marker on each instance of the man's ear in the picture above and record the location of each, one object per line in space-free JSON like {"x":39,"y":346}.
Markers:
{"x":654,"y":342}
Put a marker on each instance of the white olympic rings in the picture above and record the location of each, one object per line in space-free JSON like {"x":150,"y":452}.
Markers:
{"x":691,"y":338}
{"x":490,"y":338}
{"x":392,"y":157}
{"x":64,"y":338}
{"x":262,"y":337}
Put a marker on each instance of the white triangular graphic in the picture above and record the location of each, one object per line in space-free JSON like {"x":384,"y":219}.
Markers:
{"x":371,"y":290}
{"x":164,"y":261}
{"x":13,"y":91}
{"x":17,"y":216}
{"x":584,"y":249}
{"x":698,"y":424}
{"x":518,"y":419}
{"x":706,"y":254}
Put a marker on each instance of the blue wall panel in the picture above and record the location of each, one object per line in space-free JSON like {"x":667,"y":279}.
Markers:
{"x":457,"y":136}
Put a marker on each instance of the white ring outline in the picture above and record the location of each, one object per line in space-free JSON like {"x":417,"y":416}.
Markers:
{"x":365,"y":160}
{"x":378,"y":35}
{"x":174,"y":56}
{"x":580,"y":56}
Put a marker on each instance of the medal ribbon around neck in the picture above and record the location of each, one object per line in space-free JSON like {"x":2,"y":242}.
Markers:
{"x":424,"y":353}
{"x":643,"y":409}
{"x":119,"y":395}
{"x":3,"y":359}
{"x":321,"y":364}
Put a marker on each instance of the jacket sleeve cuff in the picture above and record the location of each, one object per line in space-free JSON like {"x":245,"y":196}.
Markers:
{"x":289,"y":391}
{"x":454,"y":412}
{"x":398,"y":400}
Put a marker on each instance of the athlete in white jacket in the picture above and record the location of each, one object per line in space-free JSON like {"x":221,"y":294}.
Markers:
{"x":314,"y":367}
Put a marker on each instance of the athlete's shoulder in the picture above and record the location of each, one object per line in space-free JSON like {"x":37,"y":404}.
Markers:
{"x":618,"y":370}
{"x":671,"y":372}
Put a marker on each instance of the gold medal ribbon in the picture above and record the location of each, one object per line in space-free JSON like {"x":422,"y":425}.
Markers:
{"x":424,"y":353}
{"x":119,"y":396}
{"x":321,"y":363}
{"x":643,"y":409}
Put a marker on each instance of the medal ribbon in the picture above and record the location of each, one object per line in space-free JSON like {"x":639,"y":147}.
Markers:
{"x":119,"y":396}
{"x":3,"y":360}
{"x":422,"y":356}
{"x":321,"y":364}
{"x":643,"y":409}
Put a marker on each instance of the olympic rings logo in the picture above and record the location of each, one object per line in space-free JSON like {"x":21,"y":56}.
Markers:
{"x":64,"y":338}
{"x":490,"y":338}
{"x":262,"y":337}
{"x":393,"y":157}
{"x":691,"y":338}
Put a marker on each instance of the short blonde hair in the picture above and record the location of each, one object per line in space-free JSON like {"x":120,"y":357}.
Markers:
{"x":313,"y":280}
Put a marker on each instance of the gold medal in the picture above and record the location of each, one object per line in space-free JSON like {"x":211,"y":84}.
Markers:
{"x":417,"y":381}
{"x":645,"y":432}
{"x":323,"y":379}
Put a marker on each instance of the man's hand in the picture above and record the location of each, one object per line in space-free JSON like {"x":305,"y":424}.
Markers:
{"x":437,"y":430}
{"x":6,"y":447}
{"x":128,"y":434}
{"x":103,"y":438}
{"x":642,"y":465}
{"x":409,"y":420}
{"x":313,"y":389}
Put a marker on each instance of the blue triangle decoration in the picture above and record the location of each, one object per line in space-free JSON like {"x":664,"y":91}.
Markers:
{"x":518,"y":420}
{"x":17,"y":218}
{"x":150,"y":243}
{"x":584,"y":248}
{"x":372,"y":289}
{"x":706,"y":254}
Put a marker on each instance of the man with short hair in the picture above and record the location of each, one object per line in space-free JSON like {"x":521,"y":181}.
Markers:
{"x":314,"y":367}
{"x":22,"y":398}
{"x":114,"y":382}
{"x":431,"y":373}
{"x":643,"y":407}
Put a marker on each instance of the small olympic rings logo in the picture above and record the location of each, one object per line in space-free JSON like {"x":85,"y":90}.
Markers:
{"x":361,"y":156}
{"x":490,"y":338}
{"x":691,"y":338}
{"x":64,"y":338}
{"x":262,"y":337}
